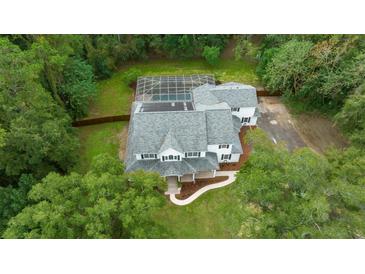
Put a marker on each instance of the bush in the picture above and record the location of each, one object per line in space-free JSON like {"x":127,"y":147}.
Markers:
{"x":211,"y":55}
{"x":131,"y":75}
{"x":243,"y":48}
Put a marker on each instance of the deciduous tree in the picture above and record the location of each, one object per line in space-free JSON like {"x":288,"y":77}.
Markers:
{"x":104,"y":203}
{"x":301,"y":194}
{"x":39,"y":137}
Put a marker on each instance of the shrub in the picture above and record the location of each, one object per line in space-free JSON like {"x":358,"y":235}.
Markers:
{"x":211,"y":55}
{"x":131,"y":75}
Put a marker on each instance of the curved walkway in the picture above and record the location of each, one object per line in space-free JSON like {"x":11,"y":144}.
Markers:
{"x":231,"y":178}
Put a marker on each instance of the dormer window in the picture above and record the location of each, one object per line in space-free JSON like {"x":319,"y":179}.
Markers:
{"x":193,"y":154}
{"x":148,"y":156}
{"x":235,"y":109}
{"x":171,"y":158}
{"x":223,"y":146}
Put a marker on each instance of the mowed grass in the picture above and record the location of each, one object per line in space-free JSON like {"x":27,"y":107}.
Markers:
{"x":97,"y":139}
{"x":214,"y":215}
{"x":115,"y":97}
{"x":225,"y":71}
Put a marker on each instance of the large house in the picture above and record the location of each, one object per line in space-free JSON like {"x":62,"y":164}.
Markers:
{"x":183,"y":127}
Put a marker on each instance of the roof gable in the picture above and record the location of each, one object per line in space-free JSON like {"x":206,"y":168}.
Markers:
{"x":170,"y":142}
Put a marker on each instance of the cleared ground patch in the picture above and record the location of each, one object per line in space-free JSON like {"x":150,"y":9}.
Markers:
{"x":319,"y":132}
{"x":278,"y":123}
{"x":312,"y":130}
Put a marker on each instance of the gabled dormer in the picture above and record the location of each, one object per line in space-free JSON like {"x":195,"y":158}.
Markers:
{"x":170,"y":149}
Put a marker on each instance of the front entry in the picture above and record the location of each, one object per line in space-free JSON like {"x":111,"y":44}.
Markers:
{"x":172,"y":186}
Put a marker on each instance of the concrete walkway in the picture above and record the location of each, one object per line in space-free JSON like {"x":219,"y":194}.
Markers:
{"x":172,"y":188}
{"x":231,"y":177}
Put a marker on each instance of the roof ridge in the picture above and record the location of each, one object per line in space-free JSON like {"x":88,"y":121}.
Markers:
{"x":170,"y":141}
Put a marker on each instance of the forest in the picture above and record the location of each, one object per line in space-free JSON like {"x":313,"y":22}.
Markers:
{"x":48,"y":81}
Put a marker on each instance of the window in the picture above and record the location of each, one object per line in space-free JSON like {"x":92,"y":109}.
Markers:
{"x":223,"y":146}
{"x":235,"y":109}
{"x":226,"y":157}
{"x":192,"y":154}
{"x":147,"y":156}
{"x":246,"y":119}
{"x":171,"y":158}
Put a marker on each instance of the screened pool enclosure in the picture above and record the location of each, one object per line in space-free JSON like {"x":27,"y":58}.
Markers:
{"x":169,"y":88}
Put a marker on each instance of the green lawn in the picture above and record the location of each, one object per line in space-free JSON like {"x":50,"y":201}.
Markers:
{"x":216,"y":214}
{"x":225,"y":71}
{"x":98,"y":139}
{"x":115,"y":97}
{"x":213,"y":215}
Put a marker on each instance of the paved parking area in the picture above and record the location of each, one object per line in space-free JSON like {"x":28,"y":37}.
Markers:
{"x":278,"y":123}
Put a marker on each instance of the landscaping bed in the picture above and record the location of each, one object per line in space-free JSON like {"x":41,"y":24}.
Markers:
{"x":189,"y":188}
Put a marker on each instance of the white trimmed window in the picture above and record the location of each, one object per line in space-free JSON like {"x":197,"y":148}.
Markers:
{"x":192,"y":154}
{"x":171,"y":158}
{"x":235,"y":109}
{"x":226,"y":157}
{"x":223,"y":146}
{"x":246,"y":119}
{"x":148,"y":156}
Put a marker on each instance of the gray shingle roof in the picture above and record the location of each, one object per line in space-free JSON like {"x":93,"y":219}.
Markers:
{"x":234,"y":94}
{"x":170,"y":142}
{"x":237,"y":148}
{"x":150,"y":130}
{"x":203,"y":95}
{"x":183,"y":131}
{"x":211,"y":123}
{"x":220,"y":126}
{"x":236,"y":123}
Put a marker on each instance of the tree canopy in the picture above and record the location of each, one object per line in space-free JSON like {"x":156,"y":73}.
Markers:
{"x":321,"y":70}
{"x":39,"y":137}
{"x":301,"y":194}
{"x":104,"y":203}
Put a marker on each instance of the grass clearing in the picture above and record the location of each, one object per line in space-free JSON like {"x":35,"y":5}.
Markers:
{"x":97,"y":139}
{"x":225,"y":71}
{"x":115,"y":97}
{"x":214,"y":215}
